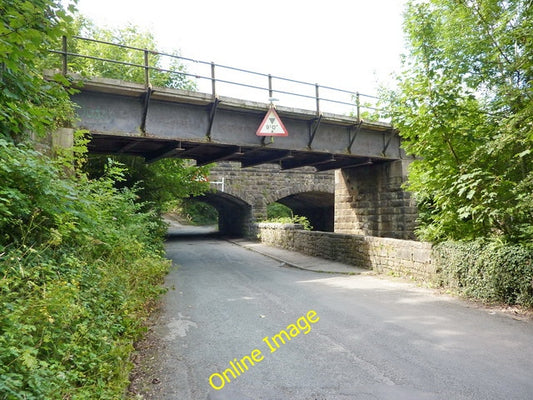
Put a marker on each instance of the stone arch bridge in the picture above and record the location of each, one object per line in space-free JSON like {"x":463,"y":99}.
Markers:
{"x":368,"y":200}
{"x":241,"y":195}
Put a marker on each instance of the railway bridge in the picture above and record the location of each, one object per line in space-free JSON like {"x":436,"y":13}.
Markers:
{"x":343,"y":172}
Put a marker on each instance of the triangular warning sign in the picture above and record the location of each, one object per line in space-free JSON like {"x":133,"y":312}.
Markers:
{"x":272,"y":125}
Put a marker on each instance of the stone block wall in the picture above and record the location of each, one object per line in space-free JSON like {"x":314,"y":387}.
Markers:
{"x":370,"y":200}
{"x":383,"y":255}
{"x":305,"y":191}
{"x":60,"y":140}
{"x":264,"y":184}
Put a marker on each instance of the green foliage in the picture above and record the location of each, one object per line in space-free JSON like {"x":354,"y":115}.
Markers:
{"x":464,"y":109}
{"x":28,"y":103}
{"x":158,"y":184}
{"x":196,"y":212}
{"x":370,"y":115}
{"x":132,"y":36}
{"x":80,"y":259}
{"x":281,"y":214}
{"x":488,"y":271}
{"x":79,"y":263}
{"x":368,"y":110}
{"x":278,"y":210}
{"x":28,"y":209}
{"x":297,"y":219}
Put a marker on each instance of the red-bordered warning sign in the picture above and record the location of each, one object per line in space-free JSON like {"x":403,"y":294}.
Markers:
{"x":272,"y":125}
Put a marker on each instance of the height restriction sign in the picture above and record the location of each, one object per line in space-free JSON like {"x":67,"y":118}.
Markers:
{"x":272,"y":125}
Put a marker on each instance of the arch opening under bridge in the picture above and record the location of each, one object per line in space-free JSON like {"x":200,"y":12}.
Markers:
{"x":318,"y":207}
{"x":234,"y":214}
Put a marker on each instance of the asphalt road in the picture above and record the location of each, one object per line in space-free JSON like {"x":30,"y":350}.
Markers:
{"x":372,"y":338}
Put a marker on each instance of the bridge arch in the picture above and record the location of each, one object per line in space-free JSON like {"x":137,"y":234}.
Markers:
{"x":304,"y":191}
{"x":317,"y":205}
{"x":234,"y":214}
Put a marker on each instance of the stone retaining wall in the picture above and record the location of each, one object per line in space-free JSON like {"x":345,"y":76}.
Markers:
{"x":383,"y":255}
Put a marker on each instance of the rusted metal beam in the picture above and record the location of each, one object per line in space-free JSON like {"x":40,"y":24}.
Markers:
{"x":226,"y":154}
{"x":164,"y":152}
{"x":271,"y":158}
{"x":146,"y":103}
{"x":313,"y":129}
{"x":352,"y":134}
{"x":212,"y":113}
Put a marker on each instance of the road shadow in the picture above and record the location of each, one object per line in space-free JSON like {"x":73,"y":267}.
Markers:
{"x":177,"y":231}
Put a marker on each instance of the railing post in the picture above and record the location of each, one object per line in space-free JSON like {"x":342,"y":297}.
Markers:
{"x":64,"y":68}
{"x":146,"y":69}
{"x":358,"y":105}
{"x":317,"y":94}
{"x":213,"y":80}
{"x":270,"y":91}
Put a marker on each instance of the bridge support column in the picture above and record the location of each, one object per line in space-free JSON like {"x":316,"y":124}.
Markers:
{"x":59,"y":141}
{"x":369,"y":200}
{"x":259,"y":210}
{"x":63,"y":139}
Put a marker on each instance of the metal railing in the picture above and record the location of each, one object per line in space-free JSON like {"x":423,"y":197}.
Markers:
{"x":211,"y":73}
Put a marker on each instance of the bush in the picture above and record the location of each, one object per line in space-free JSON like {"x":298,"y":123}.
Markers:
{"x":196,"y":212}
{"x":278,"y":210}
{"x":488,"y":271}
{"x":159,"y":185}
{"x":80,"y":264}
{"x":297,"y":219}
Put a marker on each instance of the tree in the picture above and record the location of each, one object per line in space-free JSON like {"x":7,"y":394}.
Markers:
{"x":464,"y":108}
{"x":157,"y":185}
{"x":164,"y":181}
{"x":129,"y":36}
{"x":28,"y":103}
{"x":80,"y":262}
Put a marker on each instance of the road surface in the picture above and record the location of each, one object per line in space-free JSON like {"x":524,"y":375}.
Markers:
{"x":219,"y":336}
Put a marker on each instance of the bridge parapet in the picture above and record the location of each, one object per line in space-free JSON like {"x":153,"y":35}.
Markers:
{"x":149,"y":67}
{"x":177,"y":121}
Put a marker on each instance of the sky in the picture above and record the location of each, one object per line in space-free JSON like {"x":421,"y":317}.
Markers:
{"x":349,"y":44}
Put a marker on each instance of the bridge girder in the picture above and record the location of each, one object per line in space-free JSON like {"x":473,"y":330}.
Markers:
{"x":175,"y":123}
